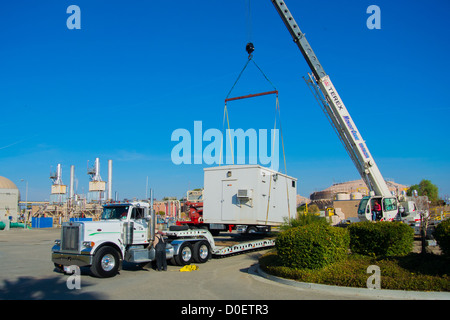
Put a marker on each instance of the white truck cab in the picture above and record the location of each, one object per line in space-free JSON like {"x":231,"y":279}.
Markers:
{"x":389,"y":207}
{"x":124,"y":232}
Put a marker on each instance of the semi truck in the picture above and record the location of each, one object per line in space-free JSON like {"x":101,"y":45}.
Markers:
{"x":125,"y":232}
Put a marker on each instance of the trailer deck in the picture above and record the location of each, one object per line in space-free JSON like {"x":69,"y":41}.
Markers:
{"x":227,"y":244}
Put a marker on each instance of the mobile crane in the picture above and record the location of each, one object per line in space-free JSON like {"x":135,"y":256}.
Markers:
{"x":339,"y":117}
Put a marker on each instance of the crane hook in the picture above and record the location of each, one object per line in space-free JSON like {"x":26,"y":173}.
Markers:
{"x":250,"y":48}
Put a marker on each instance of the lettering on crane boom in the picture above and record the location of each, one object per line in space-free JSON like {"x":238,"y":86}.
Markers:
{"x":364,"y":150}
{"x":338,"y":103}
{"x":335,"y":98}
{"x":333,"y":95}
{"x":352,"y":130}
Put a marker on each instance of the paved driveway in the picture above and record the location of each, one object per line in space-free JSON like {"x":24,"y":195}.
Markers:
{"x":27,"y":273}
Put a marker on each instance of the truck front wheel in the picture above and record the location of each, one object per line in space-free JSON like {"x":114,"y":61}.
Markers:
{"x":106,"y":263}
{"x":184,"y":256}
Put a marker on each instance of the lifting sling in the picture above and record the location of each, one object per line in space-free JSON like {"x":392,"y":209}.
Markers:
{"x":250,"y":49}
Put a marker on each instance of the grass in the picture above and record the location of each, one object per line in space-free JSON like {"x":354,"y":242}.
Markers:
{"x":429,"y":272}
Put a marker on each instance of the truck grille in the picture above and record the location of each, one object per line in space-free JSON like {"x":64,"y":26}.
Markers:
{"x":70,"y":238}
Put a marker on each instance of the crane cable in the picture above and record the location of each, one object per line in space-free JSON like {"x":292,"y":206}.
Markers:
{"x":226,"y":117}
{"x":250,"y":48}
{"x":277,"y":108}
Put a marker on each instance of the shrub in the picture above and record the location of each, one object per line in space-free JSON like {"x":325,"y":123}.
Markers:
{"x":442,"y":236}
{"x":302,"y":219}
{"x":381,"y":238}
{"x":396,"y":273}
{"x":312,"y":246}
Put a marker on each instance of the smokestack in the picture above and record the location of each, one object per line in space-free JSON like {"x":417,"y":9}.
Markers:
{"x":97,"y":170}
{"x":59,"y":173}
{"x":110,"y":196}
{"x":57,"y":176}
{"x":72,"y":175}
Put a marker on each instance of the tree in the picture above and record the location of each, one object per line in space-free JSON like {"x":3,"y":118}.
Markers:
{"x":425,"y":188}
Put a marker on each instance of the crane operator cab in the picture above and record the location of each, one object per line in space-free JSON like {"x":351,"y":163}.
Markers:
{"x":377,"y":208}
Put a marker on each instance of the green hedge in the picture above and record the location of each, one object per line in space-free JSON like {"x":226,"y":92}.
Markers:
{"x":312,"y":246}
{"x":303,"y":219}
{"x":381,"y":238}
{"x":411,"y":272}
{"x":442,"y":236}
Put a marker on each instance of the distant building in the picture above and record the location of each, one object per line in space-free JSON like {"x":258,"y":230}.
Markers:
{"x":9,"y":200}
{"x":354,"y":189}
{"x":345,"y":197}
{"x":160,"y":206}
{"x":163,"y":206}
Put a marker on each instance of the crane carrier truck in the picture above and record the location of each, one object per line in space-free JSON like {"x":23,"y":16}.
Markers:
{"x":332,"y":105}
{"x":126,"y":232}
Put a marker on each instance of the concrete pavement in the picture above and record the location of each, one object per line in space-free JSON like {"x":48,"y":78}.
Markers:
{"x":27,"y":272}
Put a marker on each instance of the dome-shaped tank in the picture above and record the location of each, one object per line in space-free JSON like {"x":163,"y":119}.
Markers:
{"x":5,"y":183}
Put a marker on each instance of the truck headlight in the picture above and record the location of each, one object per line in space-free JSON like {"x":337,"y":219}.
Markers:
{"x":88,"y":244}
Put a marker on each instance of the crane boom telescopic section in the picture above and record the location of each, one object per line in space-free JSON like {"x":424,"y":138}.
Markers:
{"x":335,"y":108}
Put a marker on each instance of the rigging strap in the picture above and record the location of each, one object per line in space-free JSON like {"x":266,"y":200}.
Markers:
{"x":250,"y":49}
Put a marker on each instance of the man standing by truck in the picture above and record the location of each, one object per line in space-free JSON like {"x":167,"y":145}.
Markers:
{"x":160,"y":250}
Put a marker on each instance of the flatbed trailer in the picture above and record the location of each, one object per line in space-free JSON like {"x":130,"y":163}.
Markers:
{"x":221,"y":248}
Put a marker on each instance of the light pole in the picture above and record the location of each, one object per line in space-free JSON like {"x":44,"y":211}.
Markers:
{"x":26,"y":204}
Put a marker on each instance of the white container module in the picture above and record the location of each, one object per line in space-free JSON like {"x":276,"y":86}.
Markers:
{"x":248,"y":195}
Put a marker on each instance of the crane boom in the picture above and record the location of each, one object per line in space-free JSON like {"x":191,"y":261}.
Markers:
{"x":327,"y":95}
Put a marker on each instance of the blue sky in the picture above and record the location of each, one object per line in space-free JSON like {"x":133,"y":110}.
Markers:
{"x":138,"y":70}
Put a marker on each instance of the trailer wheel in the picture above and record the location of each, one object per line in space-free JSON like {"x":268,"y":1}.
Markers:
{"x":184,"y":255}
{"x":106,"y":263}
{"x":251,"y":230}
{"x":202,"y":251}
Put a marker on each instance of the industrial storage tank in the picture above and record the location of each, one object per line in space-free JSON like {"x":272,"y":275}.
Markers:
{"x":321,"y":195}
{"x":342,"y":196}
{"x":356,"y":196}
{"x":5,"y":183}
{"x":9,"y":200}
